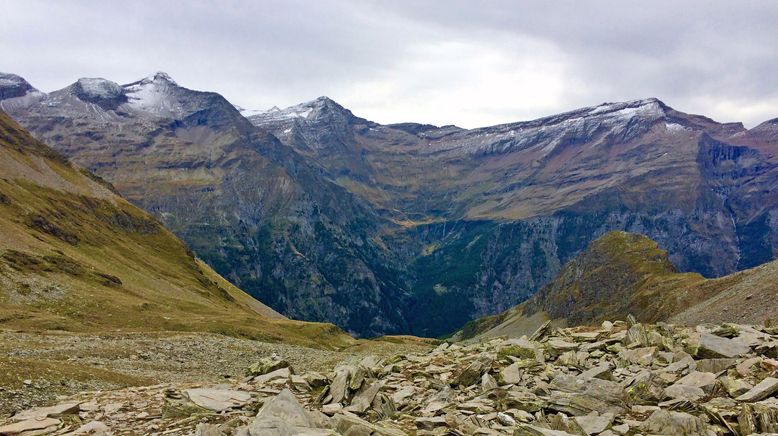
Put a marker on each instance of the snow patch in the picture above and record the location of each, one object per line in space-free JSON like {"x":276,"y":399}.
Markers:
{"x":249,"y":112}
{"x":99,"y":88}
{"x":7,"y":79}
{"x":152,"y":94}
{"x":301,"y":111}
{"x":674,"y":127}
{"x":650,"y":107}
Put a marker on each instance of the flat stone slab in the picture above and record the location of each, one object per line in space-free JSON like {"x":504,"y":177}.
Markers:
{"x":684,"y":392}
{"x":48,"y":412}
{"x":218,"y":399}
{"x":29,"y":425}
{"x":761,"y":391}
{"x":712,"y":346}
{"x":639,"y":356}
{"x":282,"y":373}
{"x":594,"y":423}
{"x":698,"y":379}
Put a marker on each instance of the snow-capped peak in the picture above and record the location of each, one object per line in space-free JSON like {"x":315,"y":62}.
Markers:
{"x":302,"y":111}
{"x":12,"y":86}
{"x":8,"y":79}
{"x":305,"y":110}
{"x":630,"y":108}
{"x":161,"y":76}
{"x":151,"y":94}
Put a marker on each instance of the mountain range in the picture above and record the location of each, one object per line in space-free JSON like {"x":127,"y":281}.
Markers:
{"x":413,"y":228}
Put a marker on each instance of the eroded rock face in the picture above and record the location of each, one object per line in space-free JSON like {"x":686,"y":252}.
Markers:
{"x":510,"y":387}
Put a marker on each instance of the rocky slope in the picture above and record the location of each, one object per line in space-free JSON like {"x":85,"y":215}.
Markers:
{"x":616,"y":379}
{"x":76,"y":256}
{"x":623,"y":274}
{"x":425,"y":227}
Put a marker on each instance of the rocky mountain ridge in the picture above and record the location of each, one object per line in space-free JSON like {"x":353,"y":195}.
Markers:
{"x":425,"y":227}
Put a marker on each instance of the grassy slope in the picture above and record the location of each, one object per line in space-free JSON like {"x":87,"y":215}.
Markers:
{"x":621,"y":274}
{"x":75,"y":256}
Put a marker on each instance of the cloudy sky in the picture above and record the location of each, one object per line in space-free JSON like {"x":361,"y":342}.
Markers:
{"x":469,"y":63}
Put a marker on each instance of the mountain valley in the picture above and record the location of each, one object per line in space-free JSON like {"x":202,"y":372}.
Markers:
{"x":423,"y":228}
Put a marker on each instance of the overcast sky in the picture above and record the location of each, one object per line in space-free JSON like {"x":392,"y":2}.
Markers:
{"x":469,"y":63}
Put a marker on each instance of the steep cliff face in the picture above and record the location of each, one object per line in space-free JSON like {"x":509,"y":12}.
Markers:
{"x":409,"y":227}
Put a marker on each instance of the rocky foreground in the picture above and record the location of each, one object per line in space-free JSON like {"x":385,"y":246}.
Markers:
{"x":619,"y":379}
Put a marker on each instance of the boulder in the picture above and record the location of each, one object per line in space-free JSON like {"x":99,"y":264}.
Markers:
{"x":602,"y":371}
{"x":511,"y":374}
{"x":735,"y":386}
{"x":703,"y":380}
{"x":639,"y":356}
{"x":350,"y":425}
{"x":674,"y":423}
{"x":401,"y":395}
{"x":282,"y":416}
{"x":473,"y":372}
{"x":488,"y":383}
{"x":204,"y":429}
{"x":684,"y":392}
{"x":594,"y":423}
{"x":266,"y":365}
{"x":364,"y":397}
{"x":282,"y":373}
{"x":712,"y":346}
{"x":339,"y":385}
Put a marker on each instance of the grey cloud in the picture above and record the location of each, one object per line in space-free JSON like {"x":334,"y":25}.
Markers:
{"x":397,"y":61}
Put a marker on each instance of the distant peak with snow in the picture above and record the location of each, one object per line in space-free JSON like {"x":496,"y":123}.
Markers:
{"x":161,"y":76}
{"x":153,"y":94}
{"x":648,"y":105}
{"x":314,"y":109}
{"x":96,"y":88}
{"x":12,"y":85}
